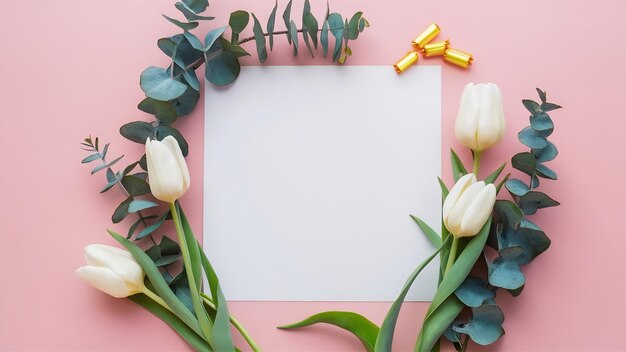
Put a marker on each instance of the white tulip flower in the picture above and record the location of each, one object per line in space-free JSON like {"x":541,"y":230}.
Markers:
{"x":168,"y":175}
{"x":480,"y":121}
{"x":112,"y":270}
{"x":468,"y":206}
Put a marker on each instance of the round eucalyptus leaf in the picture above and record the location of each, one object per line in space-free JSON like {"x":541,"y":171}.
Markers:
{"x":474,"y":291}
{"x":185,"y":104}
{"x":485,"y":327}
{"x":159,"y":85}
{"x":163,"y":110}
{"x":516,"y":187}
{"x":542,"y":122}
{"x":186,"y":54}
{"x":508,"y":212}
{"x":221,"y":68}
{"x":530,"y":138}
{"x":533,"y":200}
{"x":353,"y":26}
{"x":549,"y":152}
{"x":197,"y":6}
{"x":137,"y":131}
{"x":211,"y":38}
{"x":238,"y":21}
{"x":531,"y":106}
{"x":524,"y":162}
{"x":135,"y":186}
{"x":505,"y":273}
{"x":546,"y":172}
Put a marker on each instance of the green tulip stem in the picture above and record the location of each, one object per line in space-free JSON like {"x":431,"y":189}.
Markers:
{"x":476,"y":162}
{"x":452,"y":256}
{"x":255,"y":348}
{"x":155,"y":298}
{"x":195,"y":292}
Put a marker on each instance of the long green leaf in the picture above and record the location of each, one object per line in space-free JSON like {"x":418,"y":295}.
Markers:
{"x":494,"y":175}
{"x":461,"y":267}
{"x":259,"y":38}
{"x":385,"y":335}
{"x":458,"y":169}
{"x":168,"y":317}
{"x":361,"y":327}
{"x":161,"y":287}
{"x":437,"y":323}
{"x":271,"y":21}
{"x":428,"y":231}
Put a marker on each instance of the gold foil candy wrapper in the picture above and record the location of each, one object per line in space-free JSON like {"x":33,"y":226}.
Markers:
{"x":426,"y":36}
{"x":406,"y":61}
{"x":458,"y":57}
{"x":435,"y":49}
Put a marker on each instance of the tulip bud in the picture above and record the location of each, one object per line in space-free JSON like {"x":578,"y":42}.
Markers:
{"x":167,"y":170}
{"x":112,"y":270}
{"x":480,"y":120}
{"x":468,"y":206}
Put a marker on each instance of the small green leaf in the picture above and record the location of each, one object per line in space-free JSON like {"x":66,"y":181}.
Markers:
{"x":530,"y":138}
{"x":158,"y":84}
{"x":197,"y":6}
{"x":546,"y":172}
{"x":137,"y":131}
{"x":194,"y":41}
{"x":550,"y":106}
{"x":508,"y":212}
{"x":182,"y":25}
{"x":458,"y":169}
{"x":524,"y":162}
{"x":163,"y":110}
{"x":212,"y":36}
{"x":531,"y":106}
{"x":542,"y":95}
{"x":222,"y":67}
{"x":189,"y":14}
{"x":474,"y":291}
{"x":287,"y":19}
{"x":259,"y":38}
{"x":517,"y":187}
{"x":121,"y":211}
{"x":324,"y":38}
{"x":91,"y":158}
{"x":150,"y":229}
{"x":485,"y":327}
{"x":238,"y":22}
{"x":110,"y":184}
{"x":361,"y":327}
{"x":533,"y":200}
{"x":104,"y":166}
{"x":185,"y":104}
{"x":293,"y":30}
{"x":135,"y":186}
{"x":353,"y":26}
{"x":312,"y":27}
{"x":444,"y":189}
{"x":271,"y":21}
{"x":140,"y":204}
{"x":505,"y":273}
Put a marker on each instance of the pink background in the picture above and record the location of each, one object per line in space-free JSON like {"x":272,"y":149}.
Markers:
{"x":70,"y":68}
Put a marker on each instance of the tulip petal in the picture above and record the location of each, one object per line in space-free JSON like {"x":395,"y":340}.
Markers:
{"x":491,"y":117}
{"x":467,"y":117}
{"x":105,"y":280}
{"x":164,"y":176}
{"x":117,"y":260}
{"x":479,"y":211}
{"x":459,"y":187}
{"x":172,"y":143}
{"x":460,"y":208}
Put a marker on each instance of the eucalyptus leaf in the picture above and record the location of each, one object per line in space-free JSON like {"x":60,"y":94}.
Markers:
{"x":158,"y":84}
{"x":524,"y":162}
{"x":271,"y":21}
{"x":163,"y":131}
{"x":135,"y":186}
{"x":140,"y":204}
{"x":542,"y":122}
{"x":312,"y":27}
{"x":546,"y":172}
{"x":222,"y":67}
{"x":182,"y":25}
{"x":293,"y":33}
{"x":485,"y":327}
{"x":549,"y":106}
{"x":190,"y":14}
{"x":353,"y":26}
{"x":531,"y":106}
{"x":517,"y":187}
{"x":259,"y":38}
{"x":542,"y":95}
{"x":287,"y":20}
{"x":324,"y":38}
{"x":192,"y":79}
{"x":505,"y":273}
{"x":508,"y":212}
{"x":185,"y":104}
{"x":212,"y":36}
{"x":91,"y":158}
{"x":533,"y":200}
{"x":549,"y":152}
{"x":121,"y":211}
{"x":361,"y":327}
{"x":530,"y":138}
{"x":238,"y":21}
{"x":150,"y":229}
{"x":474,"y":291}
{"x":162,"y":110}
{"x":197,"y":6}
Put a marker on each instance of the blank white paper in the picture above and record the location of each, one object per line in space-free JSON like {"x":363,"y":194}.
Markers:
{"x":310,"y":174}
